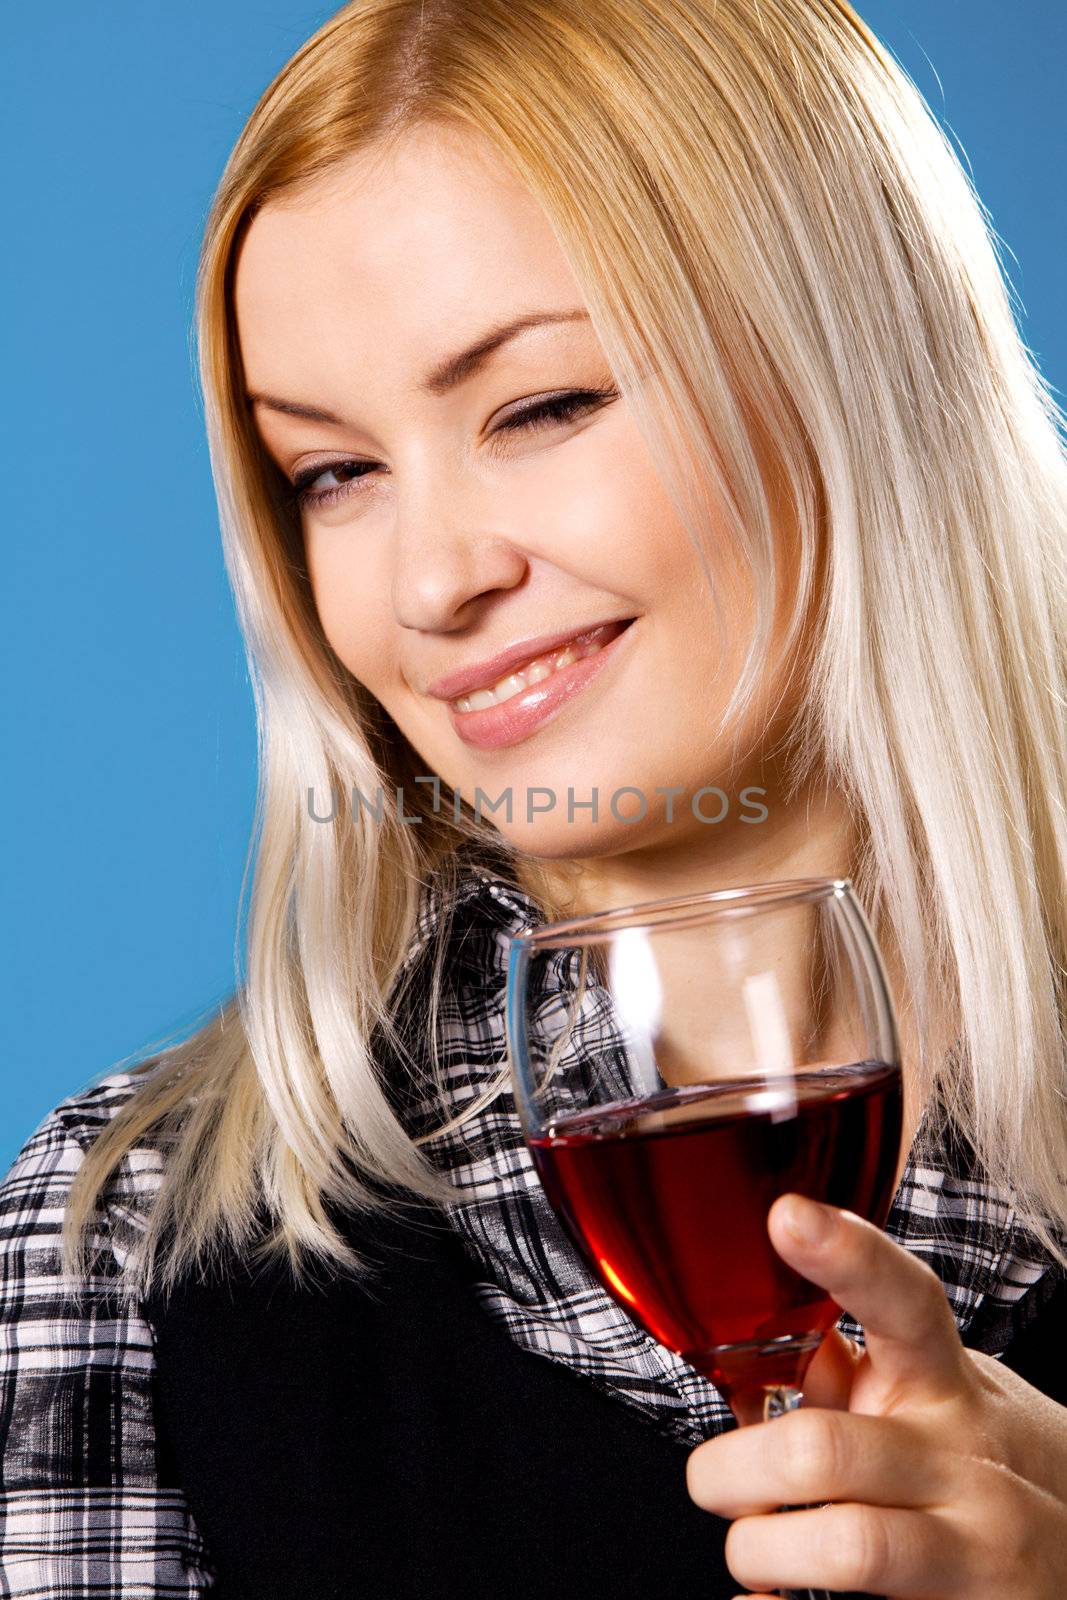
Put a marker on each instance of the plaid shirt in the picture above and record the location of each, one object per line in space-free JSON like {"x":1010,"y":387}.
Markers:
{"x":85,"y":1506}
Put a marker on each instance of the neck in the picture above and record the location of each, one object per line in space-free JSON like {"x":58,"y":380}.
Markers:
{"x":807,"y":833}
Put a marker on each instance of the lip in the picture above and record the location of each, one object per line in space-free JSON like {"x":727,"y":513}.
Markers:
{"x":483,"y":674}
{"x":523,"y":714}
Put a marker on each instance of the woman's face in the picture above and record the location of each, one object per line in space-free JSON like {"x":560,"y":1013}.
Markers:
{"x":441,"y":532}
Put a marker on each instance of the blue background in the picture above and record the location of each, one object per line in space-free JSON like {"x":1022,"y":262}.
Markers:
{"x":129,"y":795}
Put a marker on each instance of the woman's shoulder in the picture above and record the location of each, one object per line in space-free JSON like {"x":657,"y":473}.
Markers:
{"x":82,"y":1114}
{"x":68,"y":1130}
{"x":35,"y":1292}
{"x":35,"y":1189}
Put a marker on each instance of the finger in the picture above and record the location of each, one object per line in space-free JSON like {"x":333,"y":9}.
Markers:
{"x":828,"y":1379}
{"x":816,"y":1456}
{"x":909,"y":1329}
{"x":874,"y":1549}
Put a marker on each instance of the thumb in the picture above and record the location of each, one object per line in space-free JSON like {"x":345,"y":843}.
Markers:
{"x":913,"y":1345}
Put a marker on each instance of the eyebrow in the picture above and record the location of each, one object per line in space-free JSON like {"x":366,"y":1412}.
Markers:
{"x":447,"y":375}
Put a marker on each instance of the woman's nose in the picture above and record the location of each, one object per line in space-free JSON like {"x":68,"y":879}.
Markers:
{"x":442,"y":564}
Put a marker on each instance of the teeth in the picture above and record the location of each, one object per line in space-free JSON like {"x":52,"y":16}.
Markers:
{"x":476,"y":701}
{"x":515,"y":682}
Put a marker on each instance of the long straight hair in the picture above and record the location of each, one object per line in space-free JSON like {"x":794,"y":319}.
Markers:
{"x":760,"y":209}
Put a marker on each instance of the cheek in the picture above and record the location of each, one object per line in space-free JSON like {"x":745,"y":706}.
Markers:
{"x":349,"y":598}
{"x":603,"y":515}
{"x":651,"y":553}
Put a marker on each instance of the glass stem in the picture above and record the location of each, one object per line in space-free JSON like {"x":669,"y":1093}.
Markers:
{"x":777,"y":1400}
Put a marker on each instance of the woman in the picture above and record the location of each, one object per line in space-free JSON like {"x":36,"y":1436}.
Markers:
{"x":673,"y":329}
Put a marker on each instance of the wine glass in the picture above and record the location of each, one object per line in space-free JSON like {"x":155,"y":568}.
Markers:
{"x":679,"y":1064}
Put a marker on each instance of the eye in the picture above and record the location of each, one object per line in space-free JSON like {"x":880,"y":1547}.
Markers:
{"x":304,"y":495}
{"x":556,"y":409}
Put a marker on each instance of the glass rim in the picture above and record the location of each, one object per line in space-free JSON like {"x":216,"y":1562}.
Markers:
{"x":709,"y":903}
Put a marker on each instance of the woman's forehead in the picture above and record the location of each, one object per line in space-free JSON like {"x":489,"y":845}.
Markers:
{"x":401,"y":263}
{"x":429,"y":204}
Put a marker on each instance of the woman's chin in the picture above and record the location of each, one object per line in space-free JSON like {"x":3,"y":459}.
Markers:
{"x":549,"y":840}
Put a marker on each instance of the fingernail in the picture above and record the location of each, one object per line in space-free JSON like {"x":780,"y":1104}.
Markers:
{"x":809,"y":1222}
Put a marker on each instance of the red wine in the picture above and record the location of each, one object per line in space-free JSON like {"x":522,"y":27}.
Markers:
{"x":667,"y":1199}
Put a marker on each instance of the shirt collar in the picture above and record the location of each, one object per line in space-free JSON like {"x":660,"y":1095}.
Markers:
{"x":473,"y":897}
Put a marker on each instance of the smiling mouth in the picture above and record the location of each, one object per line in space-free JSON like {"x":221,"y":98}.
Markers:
{"x":540,"y":668}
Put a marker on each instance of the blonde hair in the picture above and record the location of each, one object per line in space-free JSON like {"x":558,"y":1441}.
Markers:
{"x":759,"y":208}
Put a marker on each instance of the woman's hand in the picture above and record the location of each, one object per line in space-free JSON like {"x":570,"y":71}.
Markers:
{"x":947,"y":1472}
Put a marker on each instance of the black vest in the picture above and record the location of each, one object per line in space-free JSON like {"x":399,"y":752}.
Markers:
{"x":393,"y":1441}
